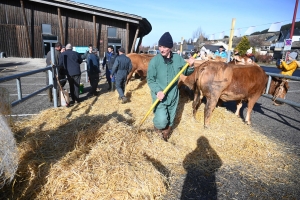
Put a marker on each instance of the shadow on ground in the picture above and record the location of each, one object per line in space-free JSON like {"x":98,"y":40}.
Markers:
{"x":201,"y":166}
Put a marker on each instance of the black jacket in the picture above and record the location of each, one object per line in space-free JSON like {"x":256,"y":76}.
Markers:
{"x":71,"y":61}
{"x":93,"y":64}
{"x":122,"y":66}
{"x":109,"y":60}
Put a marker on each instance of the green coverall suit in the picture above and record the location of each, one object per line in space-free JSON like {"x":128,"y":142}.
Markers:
{"x":159,"y":75}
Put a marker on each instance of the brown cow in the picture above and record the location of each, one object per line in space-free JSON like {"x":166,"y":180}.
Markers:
{"x":139,"y":64}
{"x":219,"y":80}
{"x":278,"y":88}
{"x":190,"y":82}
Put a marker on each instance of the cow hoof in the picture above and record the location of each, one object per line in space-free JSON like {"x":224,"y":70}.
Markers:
{"x":206,"y":127}
{"x":248,"y":123}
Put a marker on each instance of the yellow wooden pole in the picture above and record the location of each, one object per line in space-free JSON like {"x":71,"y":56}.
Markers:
{"x":230,"y":40}
{"x":231,"y":34}
{"x":166,"y":90}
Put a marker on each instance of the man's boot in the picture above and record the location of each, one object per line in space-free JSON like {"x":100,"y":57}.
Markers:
{"x":113,"y":86}
{"x":167,"y":133}
{"x":158,"y":132}
{"x":109,"y":86}
{"x":124,"y":99}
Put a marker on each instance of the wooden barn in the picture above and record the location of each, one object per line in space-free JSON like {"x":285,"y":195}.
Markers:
{"x":28,"y":28}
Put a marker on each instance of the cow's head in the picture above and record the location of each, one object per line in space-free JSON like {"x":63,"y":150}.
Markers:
{"x":274,"y":88}
{"x":242,"y":60}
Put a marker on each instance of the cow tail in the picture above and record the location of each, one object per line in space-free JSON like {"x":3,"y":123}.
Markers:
{"x":199,"y":71}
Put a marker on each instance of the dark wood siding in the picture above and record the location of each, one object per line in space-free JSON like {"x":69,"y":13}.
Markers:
{"x":78,"y":28}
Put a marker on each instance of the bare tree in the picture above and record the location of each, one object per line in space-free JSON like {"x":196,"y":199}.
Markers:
{"x":199,"y":34}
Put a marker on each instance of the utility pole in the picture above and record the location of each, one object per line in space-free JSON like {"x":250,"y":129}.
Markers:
{"x":230,"y":39}
{"x":285,"y":52}
{"x":294,"y":19}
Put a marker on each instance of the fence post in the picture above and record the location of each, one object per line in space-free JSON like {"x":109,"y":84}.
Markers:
{"x":86,"y":74}
{"x":19,"y":88}
{"x":52,"y":78}
{"x":269,"y":83}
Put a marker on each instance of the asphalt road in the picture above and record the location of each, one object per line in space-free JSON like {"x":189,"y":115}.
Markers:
{"x":30,"y":84}
{"x":278,"y":122}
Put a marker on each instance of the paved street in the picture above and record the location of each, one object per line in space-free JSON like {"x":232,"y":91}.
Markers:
{"x":29,"y":84}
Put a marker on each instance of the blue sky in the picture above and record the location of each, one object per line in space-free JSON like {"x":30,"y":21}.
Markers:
{"x":183,"y":18}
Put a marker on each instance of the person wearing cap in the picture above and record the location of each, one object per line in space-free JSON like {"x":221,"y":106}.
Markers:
{"x":71,"y":61}
{"x":93,"y":70}
{"x":251,"y":56}
{"x":162,"y":69}
{"x":108,"y":61}
{"x":287,"y":68}
{"x":221,"y":52}
{"x":121,"y":68}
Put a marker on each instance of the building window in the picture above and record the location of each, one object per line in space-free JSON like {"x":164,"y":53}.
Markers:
{"x":111,"y":32}
{"x":46,"y":29}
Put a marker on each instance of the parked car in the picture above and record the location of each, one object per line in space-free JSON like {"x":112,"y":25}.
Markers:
{"x":153,"y":51}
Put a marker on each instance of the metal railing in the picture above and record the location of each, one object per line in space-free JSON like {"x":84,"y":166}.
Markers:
{"x":19,"y":85}
{"x":280,"y":99}
{"x":52,"y":82}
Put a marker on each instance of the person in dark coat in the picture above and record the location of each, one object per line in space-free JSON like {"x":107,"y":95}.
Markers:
{"x":121,"y":68}
{"x":93,"y":70}
{"x":56,"y":63}
{"x":71,"y":61}
{"x":108,"y":61}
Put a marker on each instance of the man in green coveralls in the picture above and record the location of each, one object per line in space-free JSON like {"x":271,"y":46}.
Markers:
{"x":161,"y":71}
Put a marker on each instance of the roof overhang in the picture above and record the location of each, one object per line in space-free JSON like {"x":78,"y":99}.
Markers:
{"x":88,"y":10}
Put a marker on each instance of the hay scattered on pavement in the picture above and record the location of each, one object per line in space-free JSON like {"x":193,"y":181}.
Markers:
{"x":93,"y":150}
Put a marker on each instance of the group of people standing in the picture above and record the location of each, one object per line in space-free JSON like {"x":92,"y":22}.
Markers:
{"x":68,"y":65}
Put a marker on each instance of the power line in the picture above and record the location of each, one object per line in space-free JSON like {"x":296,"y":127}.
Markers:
{"x":252,"y":26}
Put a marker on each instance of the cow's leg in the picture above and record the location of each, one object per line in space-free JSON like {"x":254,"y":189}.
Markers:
{"x":197,"y":100}
{"x":211,"y":103}
{"x":141,"y":74}
{"x":129,"y":76}
{"x":251,"y":103}
{"x":239,"y":105}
